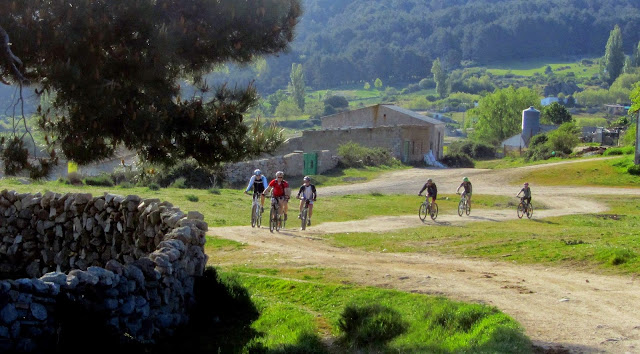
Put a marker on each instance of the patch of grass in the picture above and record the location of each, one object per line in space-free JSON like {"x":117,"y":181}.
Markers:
{"x":597,"y":242}
{"x":594,"y":172}
{"x":433,"y":325}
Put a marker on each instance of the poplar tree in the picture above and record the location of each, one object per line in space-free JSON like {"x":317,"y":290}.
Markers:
{"x":297,"y":86}
{"x":440,"y":77}
{"x":614,"y":55}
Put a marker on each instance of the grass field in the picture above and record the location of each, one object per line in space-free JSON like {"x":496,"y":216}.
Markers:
{"x":529,"y":68}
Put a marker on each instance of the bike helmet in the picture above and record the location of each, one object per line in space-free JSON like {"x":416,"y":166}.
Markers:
{"x":257,"y":172}
{"x":526,"y":184}
{"x":429,"y":180}
{"x":279,"y":174}
{"x":466,"y":179}
{"x":307,"y":179}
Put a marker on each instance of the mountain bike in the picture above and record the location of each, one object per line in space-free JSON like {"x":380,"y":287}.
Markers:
{"x":525,"y":208}
{"x":427,"y":208}
{"x":276,"y":221}
{"x":464,"y":207}
{"x":256,"y":211}
{"x":304,"y":222}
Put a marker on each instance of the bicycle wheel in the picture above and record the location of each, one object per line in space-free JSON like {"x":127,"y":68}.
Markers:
{"x":468,"y":208}
{"x":434,"y":211}
{"x":253,"y":215}
{"x":273,"y":221}
{"x":530,"y":211}
{"x":422,"y":211}
{"x":258,"y":217}
{"x":520,"y":210}
{"x":303,"y":219}
{"x":279,"y":222}
{"x":461,"y":208}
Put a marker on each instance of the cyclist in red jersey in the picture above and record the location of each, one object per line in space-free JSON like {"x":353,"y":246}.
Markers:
{"x":281,"y":192}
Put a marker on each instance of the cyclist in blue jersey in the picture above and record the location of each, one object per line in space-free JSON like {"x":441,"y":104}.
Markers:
{"x":259,"y":183}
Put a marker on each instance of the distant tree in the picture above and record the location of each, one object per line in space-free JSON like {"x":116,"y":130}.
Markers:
{"x":367,"y":86}
{"x":565,"y":138}
{"x":635,"y":58}
{"x":337,"y":101}
{"x":499,"y":114}
{"x":614,"y":55}
{"x":570,"y":101}
{"x":378,"y":84}
{"x":297,"y":85}
{"x":288,"y":108}
{"x":548,"y":70}
{"x":555,"y":113}
{"x":274,"y":99}
{"x":628,"y":65}
{"x":116,"y":69}
{"x":440,"y":77}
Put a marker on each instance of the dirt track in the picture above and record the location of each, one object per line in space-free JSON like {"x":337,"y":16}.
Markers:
{"x":559,"y":307}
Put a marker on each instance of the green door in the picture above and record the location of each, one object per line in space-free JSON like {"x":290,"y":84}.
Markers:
{"x":310,"y":163}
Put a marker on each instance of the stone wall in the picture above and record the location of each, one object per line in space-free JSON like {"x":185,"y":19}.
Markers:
{"x":291,"y":164}
{"x":133,"y":260}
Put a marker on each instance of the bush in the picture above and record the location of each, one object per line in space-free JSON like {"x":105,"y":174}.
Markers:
{"x":103,"y":180}
{"x":458,"y":160}
{"x":355,"y":155}
{"x":74,"y":178}
{"x":473,"y":150}
{"x":634,"y":170}
{"x":154,"y":187}
{"x":194,"y":175}
{"x":370,"y":325}
{"x":192,"y":198}
{"x":179,"y":183}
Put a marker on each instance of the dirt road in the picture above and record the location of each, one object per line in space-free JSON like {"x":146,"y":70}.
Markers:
{"x":560,"y":308}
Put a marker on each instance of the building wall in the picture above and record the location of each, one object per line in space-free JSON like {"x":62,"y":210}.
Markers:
{"x":374,"y":116}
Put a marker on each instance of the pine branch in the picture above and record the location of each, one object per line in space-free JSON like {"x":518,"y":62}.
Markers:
{"x":9,"y":59}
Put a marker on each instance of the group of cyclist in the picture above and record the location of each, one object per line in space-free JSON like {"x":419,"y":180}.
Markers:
{"x":281,"y":192}
{"x":307,"y":192}
{"x":432,"y":190}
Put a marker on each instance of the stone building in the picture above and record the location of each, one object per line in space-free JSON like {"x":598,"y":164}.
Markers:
{"x":408,"y":135}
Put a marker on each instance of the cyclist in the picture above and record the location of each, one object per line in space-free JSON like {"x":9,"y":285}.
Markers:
{"x":468,"y":189}
{"x":432,"y":190}
{"x":259,"y":183}
{"x":307,"y":192}
{"x":281,"y":192}
{"x":526,"y":196}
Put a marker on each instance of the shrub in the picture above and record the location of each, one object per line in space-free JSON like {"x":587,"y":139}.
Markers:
{"x":74,"y":178}
{"x":370,"y":325}
{"x":192,"y":198}
{"x":473,"y":150}
{"x":634,"y":170}
{"x":337,"y":102}
{"x":458,"y":160}
{"x":179,"y":183}
{"x":103,"y":180}
{"x":355,"y":155}
{"x":154,"y":187}
{"x":195,"y":176}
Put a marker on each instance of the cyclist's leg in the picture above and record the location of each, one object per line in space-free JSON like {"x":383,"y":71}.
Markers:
{"x":301,"y":207}
{"x":286,"y":207}
{"x":310,"y":209}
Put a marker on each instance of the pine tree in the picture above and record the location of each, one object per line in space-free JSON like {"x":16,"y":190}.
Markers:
{"x":116,"y":68}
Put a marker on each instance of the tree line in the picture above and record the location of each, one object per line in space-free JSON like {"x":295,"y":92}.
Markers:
{"x":342,"y":42}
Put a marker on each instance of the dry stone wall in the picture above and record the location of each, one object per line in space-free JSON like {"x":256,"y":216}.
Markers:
{"x":133,"y":260}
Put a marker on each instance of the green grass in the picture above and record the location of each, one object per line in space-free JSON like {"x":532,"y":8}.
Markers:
{"x":597,"y":172}
{"x":296,"y":314}
{"x":597,"y":242}
{"x":529,"y":68}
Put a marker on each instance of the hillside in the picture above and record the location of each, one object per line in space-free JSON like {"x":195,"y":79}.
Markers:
{"x":348,"y":41}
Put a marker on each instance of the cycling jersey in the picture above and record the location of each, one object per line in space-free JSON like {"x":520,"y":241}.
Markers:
{"x":258,"y":184}
{"x":526,"y":191}
{"x":278,"y":188}
{"x":467,"y":187}
{"x":308,"y":192}
{"x":432,"y":190}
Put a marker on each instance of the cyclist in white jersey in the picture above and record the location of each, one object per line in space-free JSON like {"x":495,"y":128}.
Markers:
{"x":307,"y":192}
